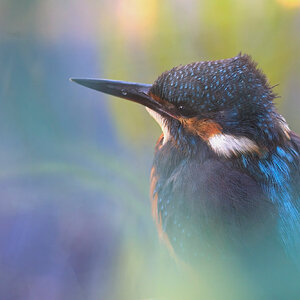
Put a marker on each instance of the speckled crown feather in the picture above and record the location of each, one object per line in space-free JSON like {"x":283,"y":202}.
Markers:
{"x":213,"y":85}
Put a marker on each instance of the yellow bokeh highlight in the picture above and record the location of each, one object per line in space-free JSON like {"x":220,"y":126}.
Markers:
{"x":137,"y":18}
{"x":290,"y":3}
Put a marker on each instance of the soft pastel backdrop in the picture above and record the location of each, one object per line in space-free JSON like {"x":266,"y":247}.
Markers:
{"x":75,"y":218}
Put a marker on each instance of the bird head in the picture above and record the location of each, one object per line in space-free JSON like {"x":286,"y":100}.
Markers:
{"x":227,"y":104}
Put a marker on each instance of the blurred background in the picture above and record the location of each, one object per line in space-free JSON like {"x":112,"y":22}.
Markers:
{"x":75,"y":219}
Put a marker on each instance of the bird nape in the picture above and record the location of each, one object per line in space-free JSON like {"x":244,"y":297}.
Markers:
{"x":226,"y":173}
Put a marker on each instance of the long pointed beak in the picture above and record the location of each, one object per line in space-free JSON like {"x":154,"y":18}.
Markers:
{"x":136,"y":92}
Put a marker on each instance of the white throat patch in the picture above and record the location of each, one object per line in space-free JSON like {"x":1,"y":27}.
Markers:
{"x":161,"y":122}
{"x":228,"y":145}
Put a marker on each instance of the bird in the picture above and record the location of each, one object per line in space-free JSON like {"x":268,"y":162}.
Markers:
{"x":226,"y":170}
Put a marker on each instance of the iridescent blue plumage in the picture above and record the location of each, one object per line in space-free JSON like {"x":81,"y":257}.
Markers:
{"x":279,"y":176}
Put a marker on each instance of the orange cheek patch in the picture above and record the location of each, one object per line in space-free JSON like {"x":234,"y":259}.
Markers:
{"x":205,"y":128}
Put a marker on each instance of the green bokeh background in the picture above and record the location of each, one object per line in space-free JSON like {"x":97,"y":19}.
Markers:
{"x":75,"y":219}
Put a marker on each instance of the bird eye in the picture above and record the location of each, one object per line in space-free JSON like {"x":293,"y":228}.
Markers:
{"x":184,"y":110}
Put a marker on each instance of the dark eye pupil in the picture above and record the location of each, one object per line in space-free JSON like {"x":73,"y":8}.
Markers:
{"x":180,"y":107}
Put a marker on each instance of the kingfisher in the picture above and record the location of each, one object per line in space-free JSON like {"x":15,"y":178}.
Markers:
{"x":226,"y":170}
